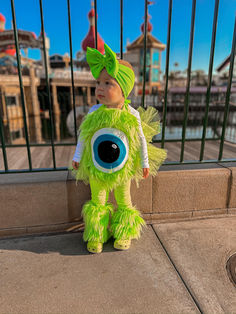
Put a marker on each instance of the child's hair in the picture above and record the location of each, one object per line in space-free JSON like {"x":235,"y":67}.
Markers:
{"x":126,"y":63}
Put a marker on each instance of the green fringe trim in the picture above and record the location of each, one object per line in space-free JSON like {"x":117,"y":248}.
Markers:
{"x":96,"y":218}
{"x":126,"y":223}
{"x":150,"y":121}
{"x":126,"y":122}
{"x":112,"y":118}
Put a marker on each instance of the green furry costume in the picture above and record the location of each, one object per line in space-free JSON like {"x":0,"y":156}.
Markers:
{"x":126,"y":221}
{"x":106,"y":168}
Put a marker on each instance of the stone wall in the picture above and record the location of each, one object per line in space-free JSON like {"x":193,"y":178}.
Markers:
{"x":51,"y":201}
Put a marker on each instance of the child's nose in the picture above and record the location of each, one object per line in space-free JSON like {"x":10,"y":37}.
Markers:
{"x":99,"y":88}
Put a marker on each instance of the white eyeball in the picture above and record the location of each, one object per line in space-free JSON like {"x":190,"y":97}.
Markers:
{"x":110,"y":149}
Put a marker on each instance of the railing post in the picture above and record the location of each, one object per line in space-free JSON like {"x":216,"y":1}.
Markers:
{"x":166,"y":75}
{"x":96,"y":24}
{"x":121,"y":29}
{"x":21,"y":82}
{"x":3,"y":137}
{"x":186,"y":100}
{"x":47,"y":85}
{"x":226,"y":111}
{"x":144,"y":53}
{"x":72,"y":71}
{"x":208,"y":95}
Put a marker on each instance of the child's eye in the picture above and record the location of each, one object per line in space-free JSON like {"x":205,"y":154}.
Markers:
{"x":107,"y":83}
{"x":97,"y":82}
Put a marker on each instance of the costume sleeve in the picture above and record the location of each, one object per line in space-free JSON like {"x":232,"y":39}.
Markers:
{"x":144,"y":153}
{"x":80,"y":144}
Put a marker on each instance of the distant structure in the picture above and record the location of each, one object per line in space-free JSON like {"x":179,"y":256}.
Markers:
{"x":8,"y":50}
{"x":134,"y":55}
{"x":10,"y":95}
{"x":224,"y":64}
{"x":62,"y":96}
{"x":223,"y":70}
{"x":26,"y":39}
{"x":89,"y":40}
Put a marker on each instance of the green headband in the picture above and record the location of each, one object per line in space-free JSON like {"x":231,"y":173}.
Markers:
{"x":123,"y":75}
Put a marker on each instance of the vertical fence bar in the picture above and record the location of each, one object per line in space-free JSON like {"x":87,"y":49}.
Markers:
{"x":166,"y":74}
{"x":72,"y":71}
{"x":8,"y":120}
{"x":21,"y":82}
{"x":186,"y":100}
{"x":144,"y":53}
{"x":96,"y":25}
{"x":208,"y":94}
{"x":227,"y":104}
{"x":47,"y":84}
{"x":3,"y":142}
{"x":121,"y":29}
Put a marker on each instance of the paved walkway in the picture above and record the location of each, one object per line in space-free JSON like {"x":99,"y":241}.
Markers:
{"x":173,"y":268}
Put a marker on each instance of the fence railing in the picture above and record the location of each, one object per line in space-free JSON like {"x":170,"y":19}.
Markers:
{"x":210,"y":111}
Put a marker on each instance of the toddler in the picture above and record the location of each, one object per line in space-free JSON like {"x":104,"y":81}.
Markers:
{"x":112,"y":150}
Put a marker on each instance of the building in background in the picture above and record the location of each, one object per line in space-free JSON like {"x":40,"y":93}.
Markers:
{"x":10,"y":95}
{"x":223,"y":70}
{"x":135,"y":56}
{"x":62,"y":96}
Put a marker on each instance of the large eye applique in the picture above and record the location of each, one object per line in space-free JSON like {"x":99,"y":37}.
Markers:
{"x":110,"y":149}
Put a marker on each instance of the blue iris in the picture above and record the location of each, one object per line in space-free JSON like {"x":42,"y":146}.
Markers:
{"x":109,"y":151}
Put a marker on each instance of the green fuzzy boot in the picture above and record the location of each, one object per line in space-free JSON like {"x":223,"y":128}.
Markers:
{"x":96,"y":218}
{"x":126,"y":224}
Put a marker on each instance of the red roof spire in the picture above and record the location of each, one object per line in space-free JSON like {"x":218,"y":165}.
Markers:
{"x":2,"y":18}
{"x":2,"y":22}
{"x":91,"y":13}
{"x":149,"y":25}
{"x":89,"y":40}
{"x":10,"y":49}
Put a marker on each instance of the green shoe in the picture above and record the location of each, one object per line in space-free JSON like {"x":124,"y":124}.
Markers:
{"x":94,"y":246}
{"x":121,"y":244}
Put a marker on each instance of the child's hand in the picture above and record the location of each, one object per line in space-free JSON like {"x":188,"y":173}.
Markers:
{"x":75,"y":164}
{"x":145,"y":172}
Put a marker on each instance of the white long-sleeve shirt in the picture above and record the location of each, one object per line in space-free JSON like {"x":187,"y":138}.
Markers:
{"x":144,"y":155}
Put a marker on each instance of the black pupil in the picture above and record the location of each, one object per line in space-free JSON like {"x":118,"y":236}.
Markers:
{"x":108,"y":151}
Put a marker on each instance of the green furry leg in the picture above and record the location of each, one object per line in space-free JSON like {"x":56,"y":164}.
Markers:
{"x":96,"y":219}
{"x":126,"y":223}
{"x":96,"y":214}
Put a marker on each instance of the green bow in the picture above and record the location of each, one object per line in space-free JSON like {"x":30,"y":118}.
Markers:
{"x":123,"y":74}
{"x":97,"y":61}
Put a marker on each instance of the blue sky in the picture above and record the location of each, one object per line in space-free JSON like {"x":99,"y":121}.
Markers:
{"x":56,"y":26}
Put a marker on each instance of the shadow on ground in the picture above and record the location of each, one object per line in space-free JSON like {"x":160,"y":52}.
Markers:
{"x":64,"y":243}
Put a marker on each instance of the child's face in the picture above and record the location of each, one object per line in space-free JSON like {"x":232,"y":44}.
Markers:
{"x":108,"y":91}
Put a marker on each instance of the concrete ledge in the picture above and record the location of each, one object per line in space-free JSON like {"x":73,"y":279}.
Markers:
{"x":182,"y":190}
{"x":232,"y":197}
{"x":33,"y":199}
{"x":51,"y":201}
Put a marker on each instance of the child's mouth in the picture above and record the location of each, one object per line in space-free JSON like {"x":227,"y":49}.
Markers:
{"x":100,"y":96}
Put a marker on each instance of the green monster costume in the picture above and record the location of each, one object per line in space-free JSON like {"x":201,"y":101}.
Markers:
{"x":105,"y":169}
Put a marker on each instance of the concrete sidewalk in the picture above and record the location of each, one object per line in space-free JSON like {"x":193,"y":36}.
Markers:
{"x":173,"y":268}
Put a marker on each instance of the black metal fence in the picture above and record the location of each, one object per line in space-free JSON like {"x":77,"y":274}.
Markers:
{"x":212,"y":114}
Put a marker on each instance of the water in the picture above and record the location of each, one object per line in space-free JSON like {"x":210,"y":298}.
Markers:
{"x":175,"y":133}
